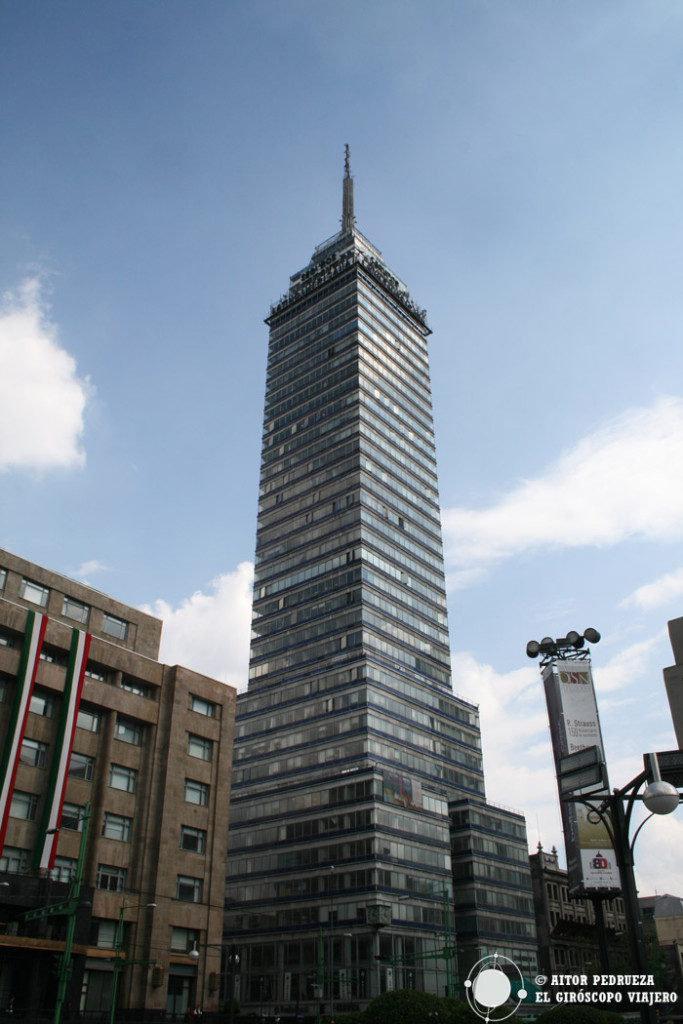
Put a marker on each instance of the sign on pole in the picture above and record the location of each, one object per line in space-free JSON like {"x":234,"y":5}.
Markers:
{"x":575,"y":727}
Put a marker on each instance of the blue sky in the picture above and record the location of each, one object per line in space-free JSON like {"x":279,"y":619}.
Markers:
{"x":167,"y":165}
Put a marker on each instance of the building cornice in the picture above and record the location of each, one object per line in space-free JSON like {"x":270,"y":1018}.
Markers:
{"x":326,"y":268}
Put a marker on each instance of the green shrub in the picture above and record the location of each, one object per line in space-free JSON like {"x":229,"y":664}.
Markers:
{"x":408,"y":1006}
{"x":576,"y":1014}
{"x":403,"y":1006}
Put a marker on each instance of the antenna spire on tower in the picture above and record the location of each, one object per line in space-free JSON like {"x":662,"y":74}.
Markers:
{"x":348,"y":220}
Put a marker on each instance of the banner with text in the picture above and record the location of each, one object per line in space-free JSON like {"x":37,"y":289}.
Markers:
{"x":574,"y":725}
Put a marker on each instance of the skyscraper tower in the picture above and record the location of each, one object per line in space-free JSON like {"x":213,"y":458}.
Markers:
{"x":349,"y":742}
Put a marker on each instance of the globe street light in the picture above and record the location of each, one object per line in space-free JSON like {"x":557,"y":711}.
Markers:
{"x":582,"y":779}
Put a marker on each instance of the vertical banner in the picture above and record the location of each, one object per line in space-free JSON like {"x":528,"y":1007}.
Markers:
{"x":574,"y":725}
{"x":36,"y":624}
{"x":46,"y":847}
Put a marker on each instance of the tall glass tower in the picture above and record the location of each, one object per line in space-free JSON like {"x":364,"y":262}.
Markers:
{"x":349,"y":742}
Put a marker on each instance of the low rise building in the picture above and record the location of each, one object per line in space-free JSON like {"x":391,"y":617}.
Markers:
{"x":492,"y":894}
{"x":663,"y":931}
{"x":114,"y":793}
{"x":568,"y":939}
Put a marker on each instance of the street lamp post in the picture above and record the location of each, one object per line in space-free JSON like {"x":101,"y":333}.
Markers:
{"x":65,"y":961}
{"x":233,"y":960}
{"x":615,"y":810}
{"x":582,"y":779}
{"x":68,"y":909}
{"x":331,"y":942}
{"x":118,"y":946}
{"x":449,"y":951}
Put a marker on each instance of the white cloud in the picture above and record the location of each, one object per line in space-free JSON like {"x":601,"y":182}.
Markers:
{"x":209,"y":633}
{"x":42,"y":400}
{"x":658,"y":855}
{"x":653,"y":595}
{"x":626,"y":666}
{"x":616,"y":483}
{"x":86,"y":570}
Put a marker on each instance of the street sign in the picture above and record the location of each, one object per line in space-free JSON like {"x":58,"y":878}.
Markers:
{"x":590,"y":777}
{"x":581,"y":770}
{"x":580,"y":759}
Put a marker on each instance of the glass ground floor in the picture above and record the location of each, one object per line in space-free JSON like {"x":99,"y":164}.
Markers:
{"x":336,"y":972}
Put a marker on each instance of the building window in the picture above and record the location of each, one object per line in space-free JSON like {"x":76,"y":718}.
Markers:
{"x":203,"y":707}
{"x":110,"y":877}
{"x":115,"y":826}
{"x":72,"y":817}
{"x":114,"y":627}
{"x":96,"y":672}
{"x":196,"y":792}
{"x":184,"y":939}
{"x":188,"y":889}
{"x":42,"y":704}
{"x":106,"y":934}
{"x":53,"y":655}
{"x":81,"y":766}
{"x":33,"y":753}
{"x":14,"y":860}
{"x":24,"y":805}
{"x":76,"y":610}
{"x":121,"y":777}
{"x":3,"y":578}
{"x":88,"y":720}
{"x":198,"y":746}
{"x":64,"y":869}
{"x":134,"y":686}
{"x":128,"y":731}
{"x":193,"y":839}
{"x":34,"y":593}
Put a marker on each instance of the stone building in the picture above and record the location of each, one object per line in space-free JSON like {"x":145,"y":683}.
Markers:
{"x":663,"y":931}
{"x":567,"y":932}
{"x":115,"y":781}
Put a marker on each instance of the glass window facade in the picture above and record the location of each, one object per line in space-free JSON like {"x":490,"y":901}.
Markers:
{"x":349,"y":741}
{"x":493,"y":894}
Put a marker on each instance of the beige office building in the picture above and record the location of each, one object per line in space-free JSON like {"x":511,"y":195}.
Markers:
{"x":114,"y":791}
